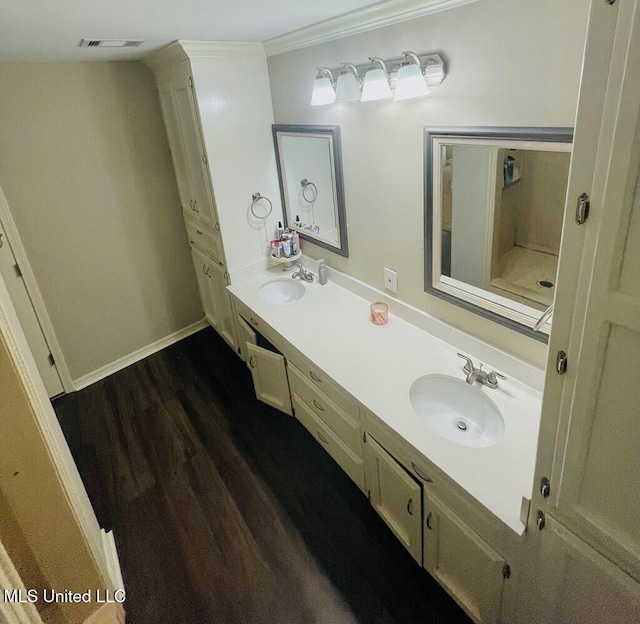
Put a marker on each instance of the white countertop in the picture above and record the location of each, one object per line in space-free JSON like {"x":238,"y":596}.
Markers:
{"x":378,"y":364}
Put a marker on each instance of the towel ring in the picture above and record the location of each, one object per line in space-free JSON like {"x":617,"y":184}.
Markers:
{"x":305,"y":184}
{"x":256,"y":198}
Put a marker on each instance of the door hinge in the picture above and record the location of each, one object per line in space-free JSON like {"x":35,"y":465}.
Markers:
{"x":191,"y":82}
{"x":369,"y":495}
{"x":582,"y":209}
{"x":52,"y":360}
{"x":540,"y":520}
{"x":506,"y":571}
{"x":545,"y":487}
{"x":204,"y":159}
{"x":364,"y":437}
{"x":561,"y":362}
{"x":18,"y":270}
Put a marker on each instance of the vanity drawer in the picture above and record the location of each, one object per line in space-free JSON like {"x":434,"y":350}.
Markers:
{"x":205,"y":239}
{"x":258,"y":324}
{"x":321,"y":380}
{"x":344,"y":457}
{"x":345,"y":426}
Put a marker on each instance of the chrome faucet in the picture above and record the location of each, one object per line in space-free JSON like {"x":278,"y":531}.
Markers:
{"x":477,"y":374}
{"x":303,"y":274}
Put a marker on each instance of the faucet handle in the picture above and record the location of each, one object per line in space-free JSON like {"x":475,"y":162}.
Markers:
{"x":491,"y":377}
{"x":468,"y":367}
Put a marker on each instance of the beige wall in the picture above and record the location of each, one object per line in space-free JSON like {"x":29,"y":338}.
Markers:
{"x":86,"y":169}
{"x":508,"y":64}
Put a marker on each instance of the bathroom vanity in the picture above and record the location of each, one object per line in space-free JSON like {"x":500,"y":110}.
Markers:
{"x":458,"y":509}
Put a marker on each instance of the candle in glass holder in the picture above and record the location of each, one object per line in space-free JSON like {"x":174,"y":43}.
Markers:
{"x":379,"y":313}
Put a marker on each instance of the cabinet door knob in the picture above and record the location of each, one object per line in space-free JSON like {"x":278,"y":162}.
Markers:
{"x":199,"y":232}
{"x":314,"y":377}
{"x":195,"y":205}
{"x":318,"y":405}
{"x":204,"y":269}
{"x":429,"y":516}
{"x":410,"y":507}
{"x":415,"y":469}
{"x":251,"y":364}
{"x":253,"y":321}
{"x":322,"y":438}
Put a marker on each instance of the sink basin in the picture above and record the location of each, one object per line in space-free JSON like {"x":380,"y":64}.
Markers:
{"x":281,"y":291}
{"x":457,"y":411}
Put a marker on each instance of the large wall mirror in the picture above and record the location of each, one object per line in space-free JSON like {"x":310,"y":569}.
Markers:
{"x":494,"y":201}
{"x":310,"y":171}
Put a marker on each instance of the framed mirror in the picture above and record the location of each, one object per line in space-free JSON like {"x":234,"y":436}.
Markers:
{"x":494,"y":208}
{"x":310,"y":172}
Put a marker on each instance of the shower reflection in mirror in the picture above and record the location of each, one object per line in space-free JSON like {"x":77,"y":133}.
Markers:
{"x":495,"y":208}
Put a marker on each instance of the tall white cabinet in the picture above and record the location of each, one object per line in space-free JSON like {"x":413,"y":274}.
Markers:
{"x":583,"y":543}
{"x":216,"y":104}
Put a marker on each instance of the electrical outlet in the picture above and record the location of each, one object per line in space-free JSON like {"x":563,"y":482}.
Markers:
{"x":390,"y":280}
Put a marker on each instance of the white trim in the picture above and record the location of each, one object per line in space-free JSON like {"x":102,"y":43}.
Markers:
{"x":136,"y":356}
{"x":15,"y":242}
{"x":358,"y":21}
{"x":14,"y":612}
{"x":111,"y":557}
{"x":47,"y":422}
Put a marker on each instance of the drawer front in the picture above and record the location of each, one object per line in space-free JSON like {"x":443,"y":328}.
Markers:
{"x":321,"y":380}
{"x":205,"y":239}
{"x":344,"y":457}
{"x":257,"y":324}
{"x":345,"y":426}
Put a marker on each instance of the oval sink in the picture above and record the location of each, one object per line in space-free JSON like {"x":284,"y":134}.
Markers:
{"x":457,"y":411}
{"x":281,"y":291}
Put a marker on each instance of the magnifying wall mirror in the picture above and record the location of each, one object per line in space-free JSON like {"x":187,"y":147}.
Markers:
{"x":310,"y":171}
{"x":494,"y":202}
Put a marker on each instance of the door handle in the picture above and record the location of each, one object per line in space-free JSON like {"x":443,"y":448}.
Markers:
{"x":318,"y":405}
{"x":410,"y":507}
{"x":429,"y":516}
{"x":314,"y":377}
{"x":251,"y":364}
{"x":253,"y":321}
{"x":322,"y":438}
{"x":415,"y":469}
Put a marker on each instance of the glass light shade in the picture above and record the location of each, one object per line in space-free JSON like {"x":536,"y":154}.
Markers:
{"x":323,"y":92}
{"x":411,"y":83}
{"x":347,"y":89}
{"x":376,"y":86}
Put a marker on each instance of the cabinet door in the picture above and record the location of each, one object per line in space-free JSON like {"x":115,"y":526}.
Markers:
{"x":590,"y":427}
{"x":204,"y":276}
{"x":396,"y":496}
{"x":174,"y":135}
{"x":574,"y":584}
{"x":269,"y":378}
{"x":224,"y":311}
{"x":246,"y":336}
{"x":201,"y":204}
{"x":466,"y":566}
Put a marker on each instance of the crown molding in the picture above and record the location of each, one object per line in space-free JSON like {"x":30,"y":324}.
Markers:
{"x":358,"y":21}
{"x":180,"y":51}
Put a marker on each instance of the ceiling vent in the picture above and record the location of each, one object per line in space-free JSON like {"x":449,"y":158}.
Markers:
{"x":111,"y":43}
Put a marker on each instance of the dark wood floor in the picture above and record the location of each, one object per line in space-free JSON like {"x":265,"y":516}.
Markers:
{"x":227,"y":511}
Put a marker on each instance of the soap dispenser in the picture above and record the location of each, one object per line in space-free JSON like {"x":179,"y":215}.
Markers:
{"x":322,"y":272}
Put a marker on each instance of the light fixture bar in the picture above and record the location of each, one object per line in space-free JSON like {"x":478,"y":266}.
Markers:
{"x":434,"y":71}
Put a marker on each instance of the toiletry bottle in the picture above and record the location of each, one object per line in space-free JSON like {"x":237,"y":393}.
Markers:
{"x":322,"y":272}
{"x":279,"y":231}
{"x":298,"y":223}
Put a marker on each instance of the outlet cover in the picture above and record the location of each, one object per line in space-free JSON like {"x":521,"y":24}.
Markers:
{"x":390,"y":280}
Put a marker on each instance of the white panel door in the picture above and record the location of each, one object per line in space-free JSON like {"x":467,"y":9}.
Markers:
{"x":396,"y":496}
{"x":590,"y":428}
{"x":201,"y":204}
{"x":269,"y":378}
{"x":204,"y":268}
{"x":464,"y":564}
{"x":224,"y":311}
{"x":28,"y":319}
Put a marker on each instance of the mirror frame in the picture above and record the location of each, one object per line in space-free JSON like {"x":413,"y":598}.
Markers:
{"x":333,"y":132}
{"x":464,"y":298}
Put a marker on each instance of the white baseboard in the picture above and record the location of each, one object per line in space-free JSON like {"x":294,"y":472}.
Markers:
{"x":111,"y":556}
{"x":136,"y":356}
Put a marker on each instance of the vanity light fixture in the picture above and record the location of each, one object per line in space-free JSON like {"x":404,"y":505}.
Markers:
{"x":410,"y":75}
{"x":323,"y":88}
{"x":411,"y":82}
{"x":348,"y":87}
{"x":376,"y":82}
